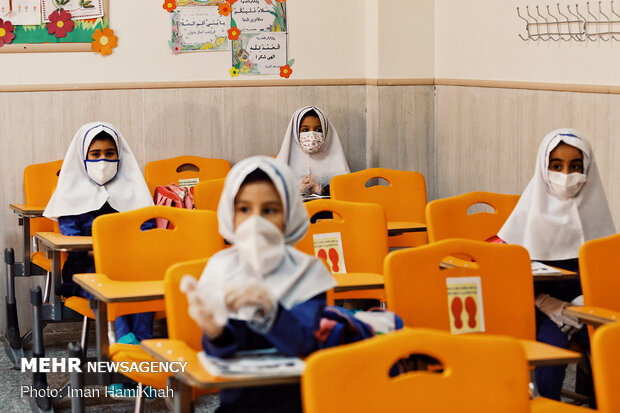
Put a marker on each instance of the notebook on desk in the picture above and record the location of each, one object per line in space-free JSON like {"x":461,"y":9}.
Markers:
{"x":538,"y":268}
{"x":257,"y":363}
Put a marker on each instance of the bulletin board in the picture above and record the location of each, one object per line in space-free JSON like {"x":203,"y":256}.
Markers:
{"x":37,"y":38}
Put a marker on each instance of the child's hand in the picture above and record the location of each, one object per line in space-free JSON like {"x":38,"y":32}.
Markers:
{"x":208,"y":312}
{"x":309,"y":185}
{"x":249,"y":294}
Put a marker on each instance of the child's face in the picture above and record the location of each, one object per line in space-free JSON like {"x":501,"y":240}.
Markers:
{"x":102,"y":149}
{"x":566,"y":159}
{"x":259,"y":198}
{"x":310,"y":124}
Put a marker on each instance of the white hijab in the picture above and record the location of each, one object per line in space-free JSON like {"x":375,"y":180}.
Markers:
{"x":299,"y":276}
{"x":553,"y":228}
{"x":77,"y":194}
{"x":324,"y":164}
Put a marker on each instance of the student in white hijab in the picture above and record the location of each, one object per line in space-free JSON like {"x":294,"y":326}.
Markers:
{"x":563,"y":206}
{"x":311,"y":147}
{"x":262,"y":292}
{"x":99,"y":175}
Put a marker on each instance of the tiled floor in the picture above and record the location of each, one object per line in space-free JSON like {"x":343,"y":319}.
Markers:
{"x":13,"y":381}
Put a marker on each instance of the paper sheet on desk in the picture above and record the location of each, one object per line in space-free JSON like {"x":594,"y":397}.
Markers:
{"x":538,"y":268}
{"x":258,"y":363}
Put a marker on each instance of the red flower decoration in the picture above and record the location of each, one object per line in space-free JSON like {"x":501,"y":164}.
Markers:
{"x":233,"y":33}
{"x":169,"y":5}
{"x":268,"y":2}
{"x":6,"y":32}
{"x":285,"y":71}
{"x":224,"y":9}
{"x":231,"y":2}
{"x":281,"y":1}
{"x":60,"y":23}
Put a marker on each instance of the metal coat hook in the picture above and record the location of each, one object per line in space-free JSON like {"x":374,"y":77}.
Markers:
{"x":595,"y":22}
{"x":557,"y":25}
{"x":527,"y":8}
{"x":582,"y":23}
{"x":568,"y":22}
{"x":600,"y":11}
{"x":527,"y":26}
{"x":546,"y":24}
{"x":613,"y":34}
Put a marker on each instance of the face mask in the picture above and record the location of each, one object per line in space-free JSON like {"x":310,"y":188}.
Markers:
{"x":260,"y":244}
{"x":566,"y":185}
{"x":102,"y":171}
{"x":311,"y":142}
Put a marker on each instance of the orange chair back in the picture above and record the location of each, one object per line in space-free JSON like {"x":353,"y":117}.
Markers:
{"x":480,"y":374}
{"x":416,"y":286}
{"x":599,"y":272}
{"x":39,"y":183}
{"x":449,"y":217}
{"x":605,"y":362}
{"x":404,"y":199}
{"x":180,"y":325}
{"x":169,"y":171}
{"x":126,"y":253}
{"x":362,"y":228}
{"x":207,"y":194}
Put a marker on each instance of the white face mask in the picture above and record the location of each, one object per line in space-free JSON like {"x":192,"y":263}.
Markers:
{"x":311,"y":142}
{"x":102,"y":171}
{"x":566,"y":185}
{"x":260,"y":244}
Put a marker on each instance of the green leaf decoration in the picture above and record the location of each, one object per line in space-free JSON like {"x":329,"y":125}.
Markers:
{"x":233,"y":23}
{"x":291,"y":62}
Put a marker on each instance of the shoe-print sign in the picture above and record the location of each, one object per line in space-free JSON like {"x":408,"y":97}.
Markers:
{"x":465,"y":305}
{"x":328,"y":247}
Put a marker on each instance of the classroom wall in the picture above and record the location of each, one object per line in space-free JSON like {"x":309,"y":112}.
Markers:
{"x":478,"y":39}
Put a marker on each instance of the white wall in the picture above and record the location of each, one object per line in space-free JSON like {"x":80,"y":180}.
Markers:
{"x":477,"y":39}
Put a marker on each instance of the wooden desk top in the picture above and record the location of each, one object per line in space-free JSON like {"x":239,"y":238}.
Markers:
{"x":401,"y":227}
{"x":358,"y":281}
{"x":59,"y":242}
{"x":195,"y":375}
{"x":541,"y":354}
{"x":27,"y":211}
{"x":112,"y":291}
{"x":595,"y":316}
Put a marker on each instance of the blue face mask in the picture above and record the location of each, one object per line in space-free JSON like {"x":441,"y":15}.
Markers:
{"x":101,"y":171}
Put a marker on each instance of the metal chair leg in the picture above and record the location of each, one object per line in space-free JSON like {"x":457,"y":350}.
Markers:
{"x":77,"y":381}
{"x":39,"y":380}
{"x":14,"y":347}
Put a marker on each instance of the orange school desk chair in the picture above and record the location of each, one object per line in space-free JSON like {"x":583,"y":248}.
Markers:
{"x":403,"y":199}
{"x":131,"y":264}
{"x":449,"y":217}
{"x":207,"y":194}
{"x":495,"y":296}
{"x":600,"y":282}
{"x":170,"y":171}
{"x":480,"y":374}
{"x":39,"y":183}
{"x":363,"y":234}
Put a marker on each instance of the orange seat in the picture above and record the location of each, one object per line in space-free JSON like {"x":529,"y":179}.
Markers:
{"x":416,"y":286}
{"x":39,"y":183}
{"x":449,"y":217}
{"x":403,"y":200}
{"x":363,"y":231}
{"x":207,"y":194}
{"x":599,"y":269}
{"x":126,"y":254}
{"x":480,"y":374}
{"x":605,"y":363}
{"x":169,"y":171}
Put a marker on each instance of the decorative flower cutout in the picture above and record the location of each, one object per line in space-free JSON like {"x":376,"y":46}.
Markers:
{"x":281,"y":1}
{"x":104,"y":41}
{"x":60,"y":23}
{"x":6,"y":32}
{"x":233,"y":33}
{"x":224,"y":9}
{"x":269,"y":2}
{"x":286,"y":71}
{"x":231,"y":2}
{"x":169,"y":5}
{"x":234,"y":72}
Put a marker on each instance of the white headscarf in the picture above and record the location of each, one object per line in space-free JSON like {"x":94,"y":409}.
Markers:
{"x":551,"y":227}
{"x":77,"y":194}
{"x":328,"y":162}
{"x":299,"y":276}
